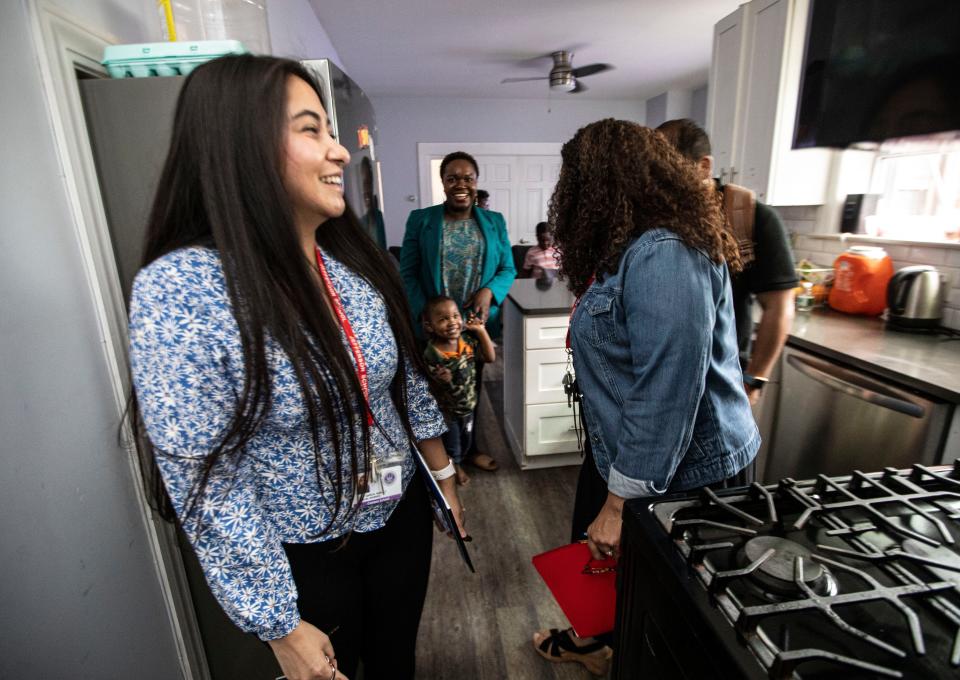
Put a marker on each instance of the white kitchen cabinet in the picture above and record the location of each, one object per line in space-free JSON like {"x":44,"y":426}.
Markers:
{"x":538,"y":422}
{"x":752,"y":101}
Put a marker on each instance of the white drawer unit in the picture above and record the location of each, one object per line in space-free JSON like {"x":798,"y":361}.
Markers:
{"x":550,"y":429}
{"x":543,"y":376}
{"x":539,"y":422}
{"x":545,"y":332}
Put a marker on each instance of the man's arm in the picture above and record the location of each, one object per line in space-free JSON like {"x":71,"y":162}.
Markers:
{"x":776,"y":320}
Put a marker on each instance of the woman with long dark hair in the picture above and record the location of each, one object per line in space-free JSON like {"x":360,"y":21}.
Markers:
{"x":278,"y":385}
{"x":643,"y":248}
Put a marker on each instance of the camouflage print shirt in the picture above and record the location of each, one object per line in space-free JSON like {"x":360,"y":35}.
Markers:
{"x":460,"y":394}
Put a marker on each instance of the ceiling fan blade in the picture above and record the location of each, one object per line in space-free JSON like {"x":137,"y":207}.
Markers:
{"x":579,"y":87}
{"x":521,"y":80}
{"x":590,"y":69}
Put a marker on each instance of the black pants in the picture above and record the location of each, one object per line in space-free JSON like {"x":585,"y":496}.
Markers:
{"x":592,"y":494}
{"x":370,"y":591}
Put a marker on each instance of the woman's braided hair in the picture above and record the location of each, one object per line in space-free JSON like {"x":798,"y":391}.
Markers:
{"x":618,"y":180}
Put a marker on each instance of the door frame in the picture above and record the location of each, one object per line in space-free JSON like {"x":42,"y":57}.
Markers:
{"x":428,"y":151}
{"x":64,"y":46}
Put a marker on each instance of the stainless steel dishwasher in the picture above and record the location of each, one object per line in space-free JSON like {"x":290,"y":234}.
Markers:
{"x":831,"y":420}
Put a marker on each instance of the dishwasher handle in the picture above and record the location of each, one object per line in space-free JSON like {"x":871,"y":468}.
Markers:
{"x":870,"y":391}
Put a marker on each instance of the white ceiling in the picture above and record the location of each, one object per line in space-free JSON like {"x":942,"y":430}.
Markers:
{"x":460,"y":48}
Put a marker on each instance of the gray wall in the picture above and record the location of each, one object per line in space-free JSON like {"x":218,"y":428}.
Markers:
{"x":657,"y":110}
{"x":79,"y":593}
{"x":698,"y":106}
{"x":406,"y":121}
{"x":79,"y":596}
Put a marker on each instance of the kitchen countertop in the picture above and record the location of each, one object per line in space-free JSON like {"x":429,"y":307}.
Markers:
{"x":929,"y":363}
{"x":556,"y":299}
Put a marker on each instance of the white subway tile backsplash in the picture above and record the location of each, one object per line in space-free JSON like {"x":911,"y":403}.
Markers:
{"x":800,"y":226}
{"x":953,"y":258}
{"x":797,"y":212}
{"x":951,"y":318}
{"x":952,"y":275}
{"x":928,"y":255}
{"x":898,"y":252}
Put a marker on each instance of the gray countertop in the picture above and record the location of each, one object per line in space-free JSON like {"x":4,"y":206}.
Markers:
{"x":533,"y":301}
{"x":930,"y":363}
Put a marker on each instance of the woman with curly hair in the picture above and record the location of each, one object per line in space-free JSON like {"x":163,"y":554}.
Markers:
{"x":642,"y":246}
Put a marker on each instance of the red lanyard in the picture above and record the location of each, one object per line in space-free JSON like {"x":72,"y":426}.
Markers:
{"x":574,"y":308}
{"x":348,"y":331}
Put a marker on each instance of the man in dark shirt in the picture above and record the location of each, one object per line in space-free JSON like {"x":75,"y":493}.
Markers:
{"x":770,"y":276}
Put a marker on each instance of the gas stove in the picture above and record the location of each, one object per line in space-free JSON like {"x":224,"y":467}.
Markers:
{"x":852,"y":577}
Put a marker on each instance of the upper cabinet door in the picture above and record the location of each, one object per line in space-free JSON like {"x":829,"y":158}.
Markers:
{"x":751,"y":120}
{"x":760,"y":110}
{"x":723,"y":93}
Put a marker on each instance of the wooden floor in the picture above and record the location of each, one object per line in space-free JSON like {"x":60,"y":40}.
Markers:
{"x":479,"y":626}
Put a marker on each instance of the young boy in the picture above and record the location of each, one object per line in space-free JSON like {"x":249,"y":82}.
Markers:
{"x":451,"y":357}
{"x":543,"y":255}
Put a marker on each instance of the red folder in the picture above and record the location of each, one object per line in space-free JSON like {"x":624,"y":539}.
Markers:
{"x":585,"y":589}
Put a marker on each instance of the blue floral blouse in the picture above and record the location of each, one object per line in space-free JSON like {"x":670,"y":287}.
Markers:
{"x":187,"y":364}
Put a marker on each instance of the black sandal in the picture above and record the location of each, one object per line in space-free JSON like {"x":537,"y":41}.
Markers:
{"x":558,"y":647}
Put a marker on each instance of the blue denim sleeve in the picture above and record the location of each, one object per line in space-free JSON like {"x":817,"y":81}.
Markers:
{"x":670,"y":313}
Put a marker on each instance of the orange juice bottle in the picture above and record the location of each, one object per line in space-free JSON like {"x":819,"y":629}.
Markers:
{"x":860,"y":282}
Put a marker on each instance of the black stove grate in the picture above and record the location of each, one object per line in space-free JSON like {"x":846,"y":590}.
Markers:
{"x":899,"y":527}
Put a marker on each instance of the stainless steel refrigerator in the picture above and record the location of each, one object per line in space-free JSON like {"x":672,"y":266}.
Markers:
{"x":355,"y":126}
{"x":129,"y":122}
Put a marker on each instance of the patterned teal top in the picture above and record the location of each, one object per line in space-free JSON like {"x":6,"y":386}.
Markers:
{"x":461,"y":258}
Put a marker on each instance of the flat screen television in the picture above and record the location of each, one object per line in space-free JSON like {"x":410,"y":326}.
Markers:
{"x":879,"y":69}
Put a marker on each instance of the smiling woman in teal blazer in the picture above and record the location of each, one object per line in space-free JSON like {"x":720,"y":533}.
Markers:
{"x":423,"y":255}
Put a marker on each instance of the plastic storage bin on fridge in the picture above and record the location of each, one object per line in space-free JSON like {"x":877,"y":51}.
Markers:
{"x":165,"y":58}
{"x":860,"y":282}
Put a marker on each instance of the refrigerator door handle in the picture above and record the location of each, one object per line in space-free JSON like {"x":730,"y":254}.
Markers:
{"x":869,"y":391}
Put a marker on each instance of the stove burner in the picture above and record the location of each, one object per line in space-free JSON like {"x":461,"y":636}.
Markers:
{"x":780,"y":564}
{"x":775,"y":559}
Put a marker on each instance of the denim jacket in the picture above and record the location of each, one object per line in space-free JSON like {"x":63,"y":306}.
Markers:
{"x":655,"y":353}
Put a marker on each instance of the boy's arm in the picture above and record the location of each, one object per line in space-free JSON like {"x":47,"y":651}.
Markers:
{"x":487,"y":351}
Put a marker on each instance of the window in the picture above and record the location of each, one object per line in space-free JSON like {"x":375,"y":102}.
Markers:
{"x":915,"y":191}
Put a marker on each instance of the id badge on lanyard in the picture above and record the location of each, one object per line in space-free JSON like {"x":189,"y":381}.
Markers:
{"x":384,"y":481}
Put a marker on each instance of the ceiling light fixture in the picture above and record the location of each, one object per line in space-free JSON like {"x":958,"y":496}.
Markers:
{"x":563,"y":82}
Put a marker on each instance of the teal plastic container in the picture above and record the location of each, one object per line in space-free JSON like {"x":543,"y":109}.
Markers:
{"x":165,"y":58}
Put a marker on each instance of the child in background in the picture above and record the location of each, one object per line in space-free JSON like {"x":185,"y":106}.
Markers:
{"x":542,"y":256}
{"x":451,"y":357}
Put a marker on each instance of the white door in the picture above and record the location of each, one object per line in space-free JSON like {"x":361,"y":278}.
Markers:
{"x":538,"y":178}
{"x":499,"y":176}
{"x":519,"y":177}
